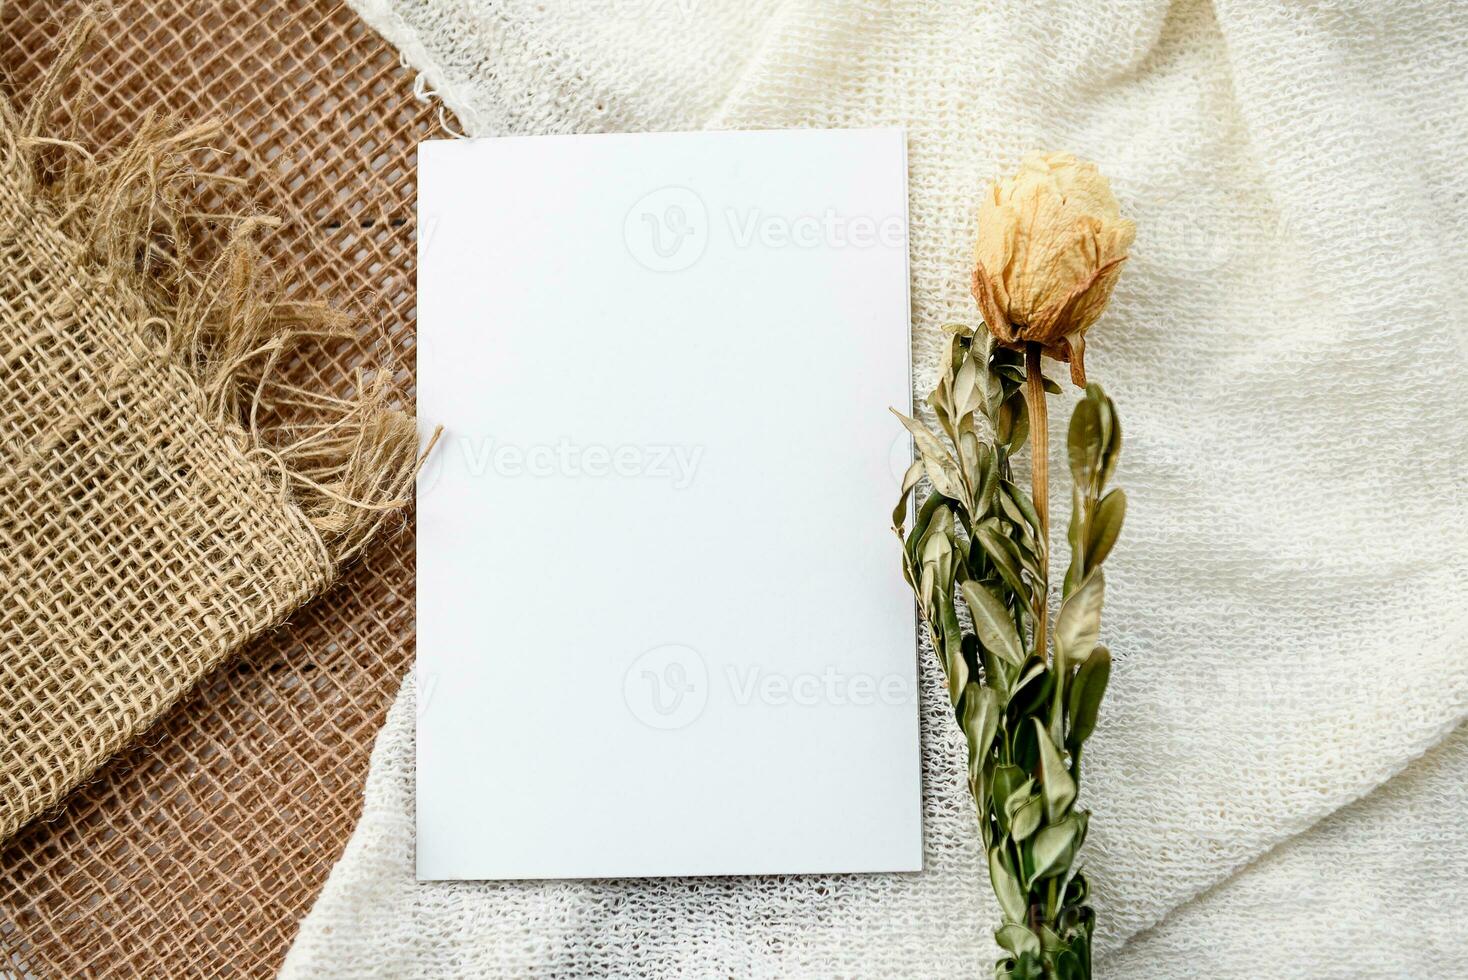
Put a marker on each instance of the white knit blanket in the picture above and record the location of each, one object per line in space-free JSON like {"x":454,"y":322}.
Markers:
{"x":1286,"y":349}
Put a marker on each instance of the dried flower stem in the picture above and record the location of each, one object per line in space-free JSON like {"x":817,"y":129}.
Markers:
{"x":979,"y":540}
{"x":1039,"y":473}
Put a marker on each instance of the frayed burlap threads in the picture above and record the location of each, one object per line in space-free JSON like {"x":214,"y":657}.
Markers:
{"x":164,"y":494}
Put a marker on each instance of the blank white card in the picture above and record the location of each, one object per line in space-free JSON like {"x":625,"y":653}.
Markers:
{"x":662,"y":628}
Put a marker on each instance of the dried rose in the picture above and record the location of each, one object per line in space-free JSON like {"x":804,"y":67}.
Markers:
{"x":1051,"y":243}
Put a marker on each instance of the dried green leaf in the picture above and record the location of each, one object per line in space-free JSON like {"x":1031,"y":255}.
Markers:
{"x":980,"y":721}
{"x":1053,"y":848}
{"x":1105,"y":527}
{"x":1010,"y":510}
{"x":944,"y":476}
{"x":1074,"y":534}
{"x":909,"y":481}
{"x":993,"y":386}
{"x":1032,"y":688}
{"x":927,"y":441}
{"x":941,"y":468}
{"x":1025,"y":967}
{"x":968,"y":393}
{"x":925,"y":514}
{"x":1007,"y":780}
{"x":1017,"y":939}
{"x":1025,"y":819}
{"x":1086,"y":692}
{"x":1050,"y":940}
{"x":1068,"y":966}
{"x":992,"y":622}
{"x":1006,"y":886}
{"x":1077,"y":889}
{"x":980,"y":469}
{"x":912,"y":547}
{"x":1019,"y":431}
{"x":1012,"y":422}
{"x":1056,"y":783}
{"x":1083,"y":442}
{"x":1109,"y":433}
{"x":955,"y":667}
{"x":1113,"y":440}
{"x":1105,"y":414}
{"x":938,"y":401}
{"x":987,"y":484}
{"x":1005,"y":563}
{"x":937,"y":548}
{"x":1018,"y":796}
{"x":1023,"y":504}
{"x":1023,"y":554}
{"x":1078,"y":624}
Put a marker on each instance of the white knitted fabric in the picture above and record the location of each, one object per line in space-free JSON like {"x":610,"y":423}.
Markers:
{"x":1377,"y":889}
{"x":1285,"y":349}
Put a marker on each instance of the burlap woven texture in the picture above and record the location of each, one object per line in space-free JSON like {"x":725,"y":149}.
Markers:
{"x":195,"y":851}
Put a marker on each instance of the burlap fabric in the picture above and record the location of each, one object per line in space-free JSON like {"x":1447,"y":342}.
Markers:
{"x":195,"y":851}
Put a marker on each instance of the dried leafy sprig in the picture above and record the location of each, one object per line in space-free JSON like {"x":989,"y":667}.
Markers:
{"x":979,"y":545}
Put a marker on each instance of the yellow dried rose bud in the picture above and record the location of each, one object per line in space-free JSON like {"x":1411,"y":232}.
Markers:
{"x":1051,"y":243}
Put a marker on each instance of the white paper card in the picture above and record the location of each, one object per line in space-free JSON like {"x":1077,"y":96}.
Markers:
{"x":661,"y":623}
